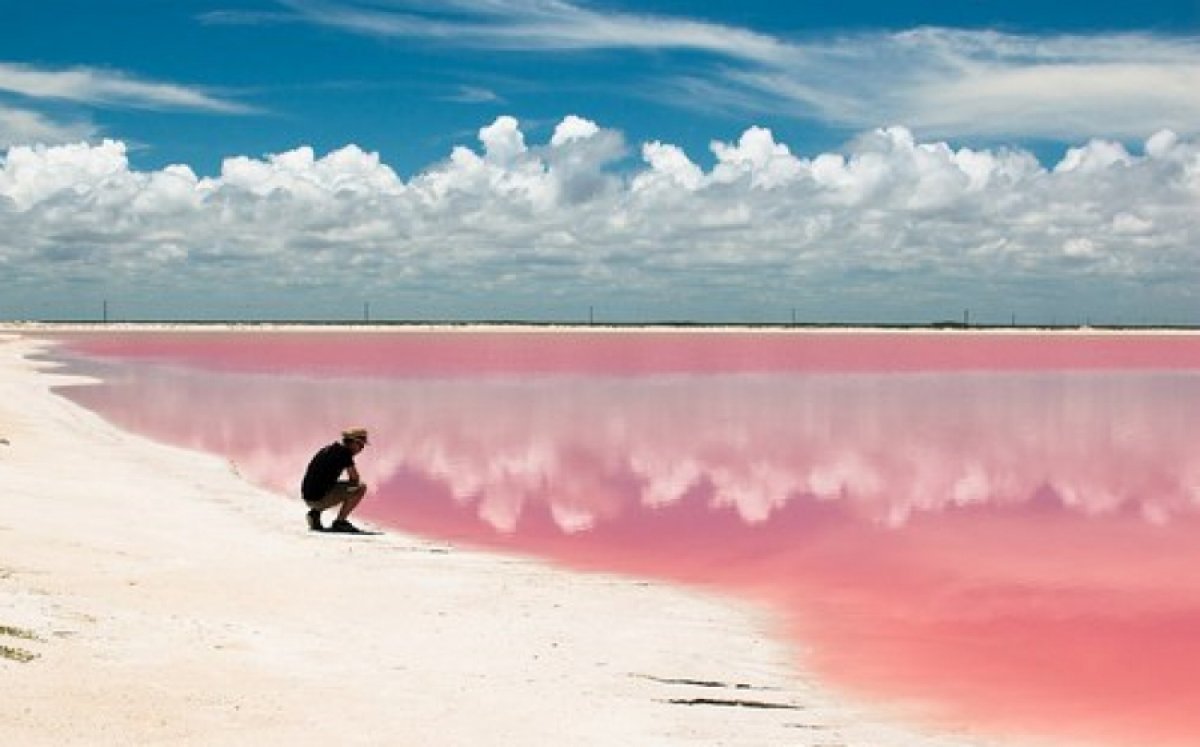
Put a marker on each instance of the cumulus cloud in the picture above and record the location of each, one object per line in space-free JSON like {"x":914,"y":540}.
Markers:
{"x":573,"y":129}
{"x":503,"y":141}
{"x":298,"y":173}
{"x":669,"y":167}
{"x":891,"y":225}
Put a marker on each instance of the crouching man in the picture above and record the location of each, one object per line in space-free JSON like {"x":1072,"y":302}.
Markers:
{"x":322,"y":487}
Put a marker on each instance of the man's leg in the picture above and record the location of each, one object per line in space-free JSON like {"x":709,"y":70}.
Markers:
{"x":314,"y":516}
{"x":342,"y":494}
{"x":352,"y":498}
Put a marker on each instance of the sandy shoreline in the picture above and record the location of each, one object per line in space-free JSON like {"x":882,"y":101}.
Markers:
{"x":165,"y":600}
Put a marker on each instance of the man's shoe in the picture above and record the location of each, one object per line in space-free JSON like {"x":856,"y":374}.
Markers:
{"x":314,"y":521}
{"x":341,"y":525}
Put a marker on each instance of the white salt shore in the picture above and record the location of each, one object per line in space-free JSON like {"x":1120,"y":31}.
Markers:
{"x":159,"y":598}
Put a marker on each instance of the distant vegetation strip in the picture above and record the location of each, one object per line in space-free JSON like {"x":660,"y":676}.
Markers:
{"x":669,"y":324}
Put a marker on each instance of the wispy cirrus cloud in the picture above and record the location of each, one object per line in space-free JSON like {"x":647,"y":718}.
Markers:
{"x":533,"y":25}
{"x":940,"y":82}
{"x":474,"y":95}
{"x":19,"y":126}
{"x":946,"y":82}
{"x":109,"y":88}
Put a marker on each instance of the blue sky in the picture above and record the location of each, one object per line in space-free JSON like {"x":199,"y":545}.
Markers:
{"x":712,"y":161}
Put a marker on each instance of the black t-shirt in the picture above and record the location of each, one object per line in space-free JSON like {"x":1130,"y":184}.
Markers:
{"x":324,"y":470}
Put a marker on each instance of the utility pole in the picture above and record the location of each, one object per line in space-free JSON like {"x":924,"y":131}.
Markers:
{"x":105,"y":312}
{"x":367,"y":311}
{"x":591,"y":315}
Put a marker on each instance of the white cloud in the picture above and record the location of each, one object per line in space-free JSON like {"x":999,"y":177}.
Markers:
{"x":1079,"y":247}
{"x":537,"y":25}
{"x":756,"y":155}
{"x":1096,"y":156}
{"x":298,"y":173}
{"x":938,"y":82}
{"x":21,"y":126}
{"x":34,"y":175}
{"x":1060,"y":100}
{"x":107,"y":88}
{"x":474,"y":95}
{"x":503,"y":141}
{"x":669,"y":167}
{"x":1131,"y":225}
{"x":1161,"y":144}
{"x":892,"y":225}
{"x":962,"y":83}
{"x":1122,"y":85}
{"x":573,"y":129}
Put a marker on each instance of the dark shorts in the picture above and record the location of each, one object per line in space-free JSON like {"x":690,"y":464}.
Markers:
{"x":337,"y":495}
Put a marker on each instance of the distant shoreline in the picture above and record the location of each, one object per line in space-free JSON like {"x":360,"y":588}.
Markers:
{"x":556,"y":326}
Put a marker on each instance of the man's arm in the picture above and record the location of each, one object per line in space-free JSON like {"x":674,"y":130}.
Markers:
{"x":352,"y":473}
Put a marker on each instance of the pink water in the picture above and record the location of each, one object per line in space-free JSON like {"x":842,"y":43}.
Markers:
{"x":998,"y":533}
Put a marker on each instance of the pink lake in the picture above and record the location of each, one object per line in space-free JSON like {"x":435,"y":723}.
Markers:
{"x":993,"y":533}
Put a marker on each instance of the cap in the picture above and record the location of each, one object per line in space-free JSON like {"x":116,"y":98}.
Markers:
{"x":355,"y":434}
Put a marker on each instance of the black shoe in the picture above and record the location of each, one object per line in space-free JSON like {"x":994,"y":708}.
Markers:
{"x":314,"y":521}
{"x":341,"y":525}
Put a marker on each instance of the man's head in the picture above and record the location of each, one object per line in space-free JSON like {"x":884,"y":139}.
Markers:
{"x":355,"y":438}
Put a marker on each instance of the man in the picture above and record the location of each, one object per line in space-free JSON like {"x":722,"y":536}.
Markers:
{"x":321,"y":487}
